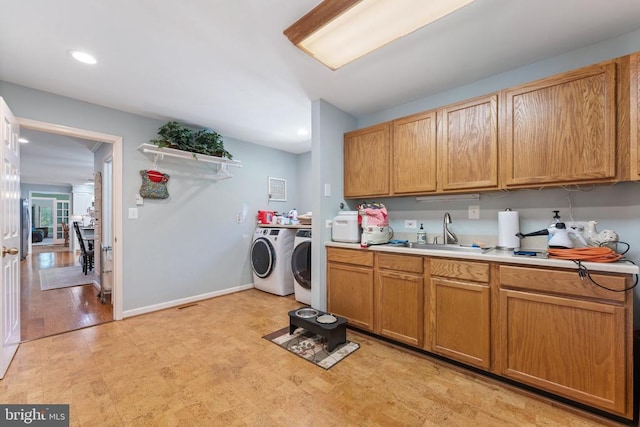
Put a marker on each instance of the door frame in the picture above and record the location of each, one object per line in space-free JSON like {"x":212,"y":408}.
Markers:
{"x":54,"y":215}
{"x":117,"y":141}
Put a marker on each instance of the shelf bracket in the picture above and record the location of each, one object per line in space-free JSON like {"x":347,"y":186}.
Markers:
{"x":156,"y":158}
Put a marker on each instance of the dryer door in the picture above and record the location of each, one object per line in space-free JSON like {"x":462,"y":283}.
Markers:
{"x":263,"y":257}
{"x":301,"y":264}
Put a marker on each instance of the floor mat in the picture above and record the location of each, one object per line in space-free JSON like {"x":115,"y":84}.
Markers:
{"x":311,"y":347}
{"x":64,"y":277}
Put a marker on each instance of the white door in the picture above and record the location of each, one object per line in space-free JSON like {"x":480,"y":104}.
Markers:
{"x":10,"y":236}
{"x":61,"y":217}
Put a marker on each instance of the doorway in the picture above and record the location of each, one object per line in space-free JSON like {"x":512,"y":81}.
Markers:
{"x":89,"y":310}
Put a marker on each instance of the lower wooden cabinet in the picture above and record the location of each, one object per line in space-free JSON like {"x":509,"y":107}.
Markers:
{"x":459,"y":314}
{"x":399,"y":299}
{"x":542,"y":327}
{"x":350,"y":286}
{"x":573,"y":346}
{"x":460,"y":321}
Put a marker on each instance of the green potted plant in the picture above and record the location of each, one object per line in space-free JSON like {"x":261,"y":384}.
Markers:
{"x":175,"y":135}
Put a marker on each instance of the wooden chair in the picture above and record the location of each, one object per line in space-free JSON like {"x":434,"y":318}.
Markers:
{"x":65,"y":232}
{"x":87,"y":255}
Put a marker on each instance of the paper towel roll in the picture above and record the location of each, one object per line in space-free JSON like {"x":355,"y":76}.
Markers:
{"x":508,"y":226}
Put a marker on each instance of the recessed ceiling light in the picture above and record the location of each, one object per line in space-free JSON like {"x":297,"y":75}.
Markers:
{"x":83,"y":57}
{"x":23,"y":140}
{"x":303,"y":132}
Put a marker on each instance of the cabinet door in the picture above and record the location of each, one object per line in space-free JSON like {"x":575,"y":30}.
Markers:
{"x":561,"y":129}
{"x":566,"y":346}
{"x":366,"y":161}
{"x":414,"y":154}
{"x":468,"y":145}
{"x":400,"y":308}
{"x":459,"y":317}
{"x":635,"y":116}
{"x":350,"y":293}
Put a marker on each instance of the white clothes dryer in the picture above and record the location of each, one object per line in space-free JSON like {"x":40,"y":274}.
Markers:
{"x":271,"y":260}
{"x":301,"y":266}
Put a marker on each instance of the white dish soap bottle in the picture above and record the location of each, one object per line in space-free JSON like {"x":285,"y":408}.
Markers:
{"x":422,"y":235}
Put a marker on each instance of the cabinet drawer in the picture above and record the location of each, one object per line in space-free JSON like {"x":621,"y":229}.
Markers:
{"x":562,"y":282}
{"x":400,"y":262}
{"x":466,"y":270}
{"x":350,"y":256}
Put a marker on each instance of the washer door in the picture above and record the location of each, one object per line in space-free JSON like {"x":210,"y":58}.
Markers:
{"x":263,"y":257}
{"x":301,"y":264}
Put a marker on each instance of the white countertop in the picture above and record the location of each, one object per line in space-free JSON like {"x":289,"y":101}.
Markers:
{"x":497,"y":256}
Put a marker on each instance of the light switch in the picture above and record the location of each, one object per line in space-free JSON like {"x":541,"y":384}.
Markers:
{"x":327,"y":190}
{"x":133,"y":213}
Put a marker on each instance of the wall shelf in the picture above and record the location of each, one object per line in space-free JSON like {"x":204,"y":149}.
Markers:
{"x":156,"y":154}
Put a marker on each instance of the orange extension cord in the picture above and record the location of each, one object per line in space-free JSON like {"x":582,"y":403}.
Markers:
{"x":599,"y":254}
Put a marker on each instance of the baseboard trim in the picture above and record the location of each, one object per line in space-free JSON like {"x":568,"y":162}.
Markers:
{"x":183,"y":301}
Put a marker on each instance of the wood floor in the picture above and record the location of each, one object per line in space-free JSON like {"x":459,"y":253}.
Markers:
{"x":208,"y":365}
{"x":45,"y":313}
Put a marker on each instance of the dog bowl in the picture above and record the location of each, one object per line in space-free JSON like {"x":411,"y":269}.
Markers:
{"x":327,"y":318}
{"x":306,"y":313}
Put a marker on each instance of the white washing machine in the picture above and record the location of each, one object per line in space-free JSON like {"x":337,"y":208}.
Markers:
{"x":271,"y":260}
{"x":301,"y":266}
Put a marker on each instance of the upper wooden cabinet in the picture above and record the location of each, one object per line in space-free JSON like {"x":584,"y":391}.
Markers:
{"x":578,"y":127}
{"x":635,"y":116}
{"x":468,"y":145}
{"x":560,"y":130}
{"x":413,"y":148}
{"x":366,"y":161}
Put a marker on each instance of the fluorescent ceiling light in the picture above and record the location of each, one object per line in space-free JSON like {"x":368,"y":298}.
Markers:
{"x":83,"y":57}
{"x":337,"y":32}
{"x":23,"y":140}
{"x":448,"y":197}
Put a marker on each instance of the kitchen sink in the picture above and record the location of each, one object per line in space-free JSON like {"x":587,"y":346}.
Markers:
{"x":439,"y":247}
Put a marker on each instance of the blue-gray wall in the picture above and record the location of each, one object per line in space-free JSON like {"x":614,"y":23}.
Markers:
{"x":328,"y":127}
{"x":192,"y":243}
{"x":305,"y":197}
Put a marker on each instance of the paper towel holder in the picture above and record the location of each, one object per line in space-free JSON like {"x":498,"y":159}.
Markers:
{"x":508,"y":242}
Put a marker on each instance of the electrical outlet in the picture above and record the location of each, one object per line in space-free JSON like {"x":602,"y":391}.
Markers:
{"x":474,"y":212}
{"x":410,"y":223}
{"x":328,"y":223}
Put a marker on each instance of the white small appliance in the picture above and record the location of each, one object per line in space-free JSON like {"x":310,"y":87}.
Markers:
{"x":345,"y":228}
{"x":301,"y":266}
{"x":271,"y":260}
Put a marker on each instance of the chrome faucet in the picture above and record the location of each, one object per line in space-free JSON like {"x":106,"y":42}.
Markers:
{"x":448,"y":236}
